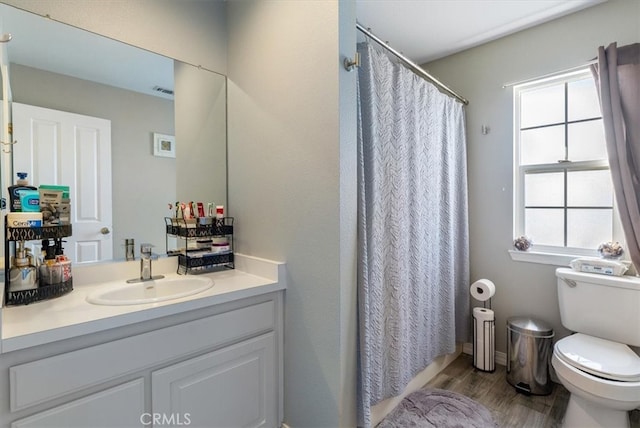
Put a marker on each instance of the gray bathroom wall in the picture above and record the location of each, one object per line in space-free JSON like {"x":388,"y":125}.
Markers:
{"x":525,"y":289}
{"x":292,"y":186}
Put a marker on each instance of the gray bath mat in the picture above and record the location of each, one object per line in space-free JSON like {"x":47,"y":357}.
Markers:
{"x":438,"y":408}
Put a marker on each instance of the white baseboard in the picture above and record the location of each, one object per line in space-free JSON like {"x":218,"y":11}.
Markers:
{"x":501,"y":357}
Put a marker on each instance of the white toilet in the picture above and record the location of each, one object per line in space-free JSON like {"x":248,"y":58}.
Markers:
{"x":597,"y":364}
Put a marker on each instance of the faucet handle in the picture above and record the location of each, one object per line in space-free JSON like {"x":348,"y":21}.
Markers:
{"x":145,"y":248}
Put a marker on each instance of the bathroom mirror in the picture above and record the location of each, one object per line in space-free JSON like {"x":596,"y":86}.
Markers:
{"x":164,"y":147}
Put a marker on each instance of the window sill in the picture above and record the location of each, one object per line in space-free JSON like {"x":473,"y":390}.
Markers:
{"x":554,"y":259}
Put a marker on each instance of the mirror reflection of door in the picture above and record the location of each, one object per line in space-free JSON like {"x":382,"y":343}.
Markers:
{"x":52,"y":146}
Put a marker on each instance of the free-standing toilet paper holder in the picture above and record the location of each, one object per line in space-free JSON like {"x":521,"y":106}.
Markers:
{"x":483,"y":326}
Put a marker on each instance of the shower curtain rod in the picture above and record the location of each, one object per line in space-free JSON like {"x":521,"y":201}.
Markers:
{"x":413,"y":66}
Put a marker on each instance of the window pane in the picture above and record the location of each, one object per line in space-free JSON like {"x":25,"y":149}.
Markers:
{"x":543,"y":145}
{"x":589,"y":189}
{"x":544,"y":226}
{"x":544,"y":189}
{"x":586,"y":141}
{"x":583,"y":100}
{"x":589,"y":228}
{"x":542,"y":106}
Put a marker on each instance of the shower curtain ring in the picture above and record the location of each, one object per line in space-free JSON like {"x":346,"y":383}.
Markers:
{"x":350,"y":64}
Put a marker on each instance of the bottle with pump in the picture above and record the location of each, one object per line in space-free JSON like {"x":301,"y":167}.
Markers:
{"x":50,"y":270}
{"x":14,"y":191}
{"x":62,"y":261}
{"x":23,"y":274}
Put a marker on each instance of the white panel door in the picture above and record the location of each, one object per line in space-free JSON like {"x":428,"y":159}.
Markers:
{"x":120,"y":406}
{"x":232,"y":387}
{"x":57,"y":147}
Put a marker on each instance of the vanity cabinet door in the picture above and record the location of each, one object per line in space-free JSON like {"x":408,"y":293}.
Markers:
{"x":232,"y":387}
{"x":120,"y":406}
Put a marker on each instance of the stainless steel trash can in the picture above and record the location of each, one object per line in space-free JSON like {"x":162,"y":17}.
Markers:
{"x":529,"y":347}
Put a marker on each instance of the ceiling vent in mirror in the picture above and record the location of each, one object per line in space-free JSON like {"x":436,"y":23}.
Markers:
{"x":163,"y":90}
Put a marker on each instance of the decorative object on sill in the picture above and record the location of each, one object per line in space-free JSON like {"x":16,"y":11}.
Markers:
{"x":522,"y":243}
{"x":610,"y":250}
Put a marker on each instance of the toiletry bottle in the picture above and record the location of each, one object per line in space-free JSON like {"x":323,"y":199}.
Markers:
{"x":41,"y":258}
{"x":14,"y":192}
{"x":129,"y":245}
{"x":51,"y":270}
{"x":23,"y":274}
{"x":48,"y":259}
{"x":62,"y":261}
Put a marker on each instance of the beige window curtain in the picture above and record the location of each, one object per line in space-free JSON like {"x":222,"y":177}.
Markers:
{"x":617,"y":75}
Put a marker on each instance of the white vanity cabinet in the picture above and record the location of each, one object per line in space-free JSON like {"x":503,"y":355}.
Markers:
{"x":232,"y":387}
{"x":219,"y":366}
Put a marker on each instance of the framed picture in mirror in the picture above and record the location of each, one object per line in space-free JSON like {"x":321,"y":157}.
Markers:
{"x":164,"y":145}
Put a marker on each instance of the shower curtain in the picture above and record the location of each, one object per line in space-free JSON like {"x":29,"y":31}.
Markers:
{"x":413,"y":273}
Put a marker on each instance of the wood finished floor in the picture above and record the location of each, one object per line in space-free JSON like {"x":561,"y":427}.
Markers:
{"x":509,"y":408}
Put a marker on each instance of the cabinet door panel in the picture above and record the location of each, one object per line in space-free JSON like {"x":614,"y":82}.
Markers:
{"x":232,"y":387}
{"x":120,"y":406}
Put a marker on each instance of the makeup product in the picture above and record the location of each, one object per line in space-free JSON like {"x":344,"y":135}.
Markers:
{"x":220,"y":244}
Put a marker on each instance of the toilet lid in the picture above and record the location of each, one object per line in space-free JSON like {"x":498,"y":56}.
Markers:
{"x":603,"y":358}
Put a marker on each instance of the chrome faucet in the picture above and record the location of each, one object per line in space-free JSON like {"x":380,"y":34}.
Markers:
{"x":146,"y":256}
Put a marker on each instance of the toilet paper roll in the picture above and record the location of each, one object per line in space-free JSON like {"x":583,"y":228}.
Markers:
{"x":484,"y":339}
{"x":483,"y":290}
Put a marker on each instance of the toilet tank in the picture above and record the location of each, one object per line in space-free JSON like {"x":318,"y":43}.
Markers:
{"x":600,"y":305}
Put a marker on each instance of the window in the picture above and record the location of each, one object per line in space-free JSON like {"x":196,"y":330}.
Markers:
{"x":563,"y":191}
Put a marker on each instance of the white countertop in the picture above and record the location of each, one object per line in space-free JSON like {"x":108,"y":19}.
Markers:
{"x":71,"y":315}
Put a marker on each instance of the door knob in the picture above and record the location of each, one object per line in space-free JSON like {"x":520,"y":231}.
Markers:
{"x":105,"y":231}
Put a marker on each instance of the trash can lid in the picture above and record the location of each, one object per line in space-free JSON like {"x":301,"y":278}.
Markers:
{"x":530,"y":326}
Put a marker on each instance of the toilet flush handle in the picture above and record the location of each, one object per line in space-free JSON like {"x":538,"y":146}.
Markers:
{"x":570,"y":282}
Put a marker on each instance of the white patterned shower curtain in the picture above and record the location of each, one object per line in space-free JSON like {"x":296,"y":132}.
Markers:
{"x":413,"y":274}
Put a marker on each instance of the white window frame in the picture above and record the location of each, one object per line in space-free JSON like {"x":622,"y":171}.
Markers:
{"x":547,"y":254}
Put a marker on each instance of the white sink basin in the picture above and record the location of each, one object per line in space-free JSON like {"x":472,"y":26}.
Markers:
{"x":151,"y":291}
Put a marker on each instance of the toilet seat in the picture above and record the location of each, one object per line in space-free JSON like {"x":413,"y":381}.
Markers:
{"x":599,"y":357}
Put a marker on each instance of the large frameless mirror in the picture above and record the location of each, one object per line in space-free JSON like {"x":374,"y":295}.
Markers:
{"x":166,"y":130}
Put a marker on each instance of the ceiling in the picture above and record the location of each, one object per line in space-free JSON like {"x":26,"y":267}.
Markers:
{"x":425,"y":30}
{"x":49,"y":45}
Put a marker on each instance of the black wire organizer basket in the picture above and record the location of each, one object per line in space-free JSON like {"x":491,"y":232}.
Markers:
{"x":42,"y":292}
{"x":197,"y":260}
